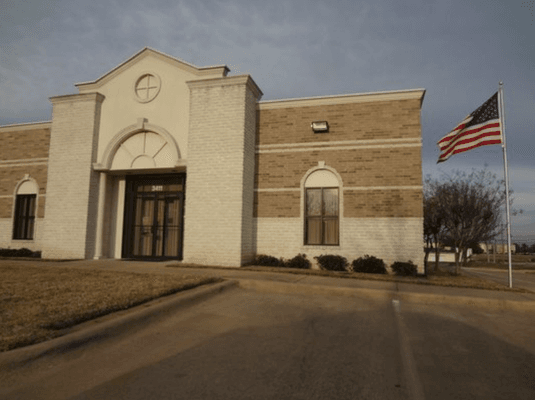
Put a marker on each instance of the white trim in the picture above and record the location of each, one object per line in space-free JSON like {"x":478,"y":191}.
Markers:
{"x":23,"y":162}
{"x":142,"y":125}
{"x":302,"y":202}
{"x":346,"y":188}
{"x":142,"y":53}
{"x":25,"y":126}
{"x":339,"y":142}
{"x":278,"y":190}
{"x":383,"y":188}
{"x":406,"y":94}
{"x":10,"y":196}
{"x":378,"y":146}
{"x":136,"y":81}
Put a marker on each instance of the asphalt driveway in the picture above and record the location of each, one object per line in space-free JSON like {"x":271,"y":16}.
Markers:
{"x":245,"y":343}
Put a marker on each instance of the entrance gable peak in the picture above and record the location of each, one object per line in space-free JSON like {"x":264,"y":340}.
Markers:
{"x":217,"y":71}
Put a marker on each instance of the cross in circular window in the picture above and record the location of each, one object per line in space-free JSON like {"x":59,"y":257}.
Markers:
{"x":147,"y":87}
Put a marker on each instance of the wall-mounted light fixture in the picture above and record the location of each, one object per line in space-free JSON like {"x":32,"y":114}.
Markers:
{"x":320,"y":126}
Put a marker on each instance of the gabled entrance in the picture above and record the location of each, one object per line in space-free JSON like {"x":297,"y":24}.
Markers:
{"x":154,"y":215}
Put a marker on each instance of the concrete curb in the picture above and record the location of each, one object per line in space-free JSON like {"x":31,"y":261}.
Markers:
{"x":422,"y":298}
{"x":105,"y":328}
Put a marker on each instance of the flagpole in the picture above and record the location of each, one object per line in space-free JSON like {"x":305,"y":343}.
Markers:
{"x":508,"y":214}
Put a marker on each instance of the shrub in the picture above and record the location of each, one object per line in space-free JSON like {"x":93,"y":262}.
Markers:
{"x":24,"y":252}
{"x":331,"y":262}
{"x":268,"y":261}
{"x":299,"y":261}
{"x":369,"y":265}
{"x":404,"y":268}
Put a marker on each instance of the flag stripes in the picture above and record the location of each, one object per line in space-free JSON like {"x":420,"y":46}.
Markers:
{"x":480,"y":128}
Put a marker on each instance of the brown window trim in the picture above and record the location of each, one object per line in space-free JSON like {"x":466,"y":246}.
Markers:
{"x":24,"y":219}
{"x":322,"y":218}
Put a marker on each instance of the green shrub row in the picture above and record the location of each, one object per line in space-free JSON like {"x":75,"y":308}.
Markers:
{"x":19,"y":253}
{"x":330,"y":262}
{"x":299,"y":261}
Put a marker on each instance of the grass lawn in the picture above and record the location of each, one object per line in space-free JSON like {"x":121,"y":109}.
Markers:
{"x":38,"y":303}
{"x":519,"y":261}
{"x":443,"y":277}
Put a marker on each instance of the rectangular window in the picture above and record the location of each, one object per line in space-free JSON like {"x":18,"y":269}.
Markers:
{"x":322,"y":219}
{"x":24,"y":221}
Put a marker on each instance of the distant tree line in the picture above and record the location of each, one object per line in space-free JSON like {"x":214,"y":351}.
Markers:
{"x":524,"y":248}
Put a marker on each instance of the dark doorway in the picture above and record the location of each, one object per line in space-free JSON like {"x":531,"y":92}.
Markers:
{"x":154,"y":215}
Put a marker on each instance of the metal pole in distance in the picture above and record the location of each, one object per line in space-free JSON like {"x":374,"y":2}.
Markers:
{"x":504,"y":148}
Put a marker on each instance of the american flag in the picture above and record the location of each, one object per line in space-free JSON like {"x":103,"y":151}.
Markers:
{"x":480,"y":128}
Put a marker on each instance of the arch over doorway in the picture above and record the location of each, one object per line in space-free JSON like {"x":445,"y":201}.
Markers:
{"x":140,"y":146}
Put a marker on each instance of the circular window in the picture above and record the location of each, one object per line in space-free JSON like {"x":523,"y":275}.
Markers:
{"x":147,"y":87}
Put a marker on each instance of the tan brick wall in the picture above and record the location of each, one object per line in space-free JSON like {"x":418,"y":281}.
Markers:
{"x":277,"y":204}
{"x":6,"y":207}
{"x":374,"y":120}
{"x":357,"y":167}
{"x":23,"y":143}
{"x":10,"y":176}
{"x":382,"y":203}
{"x":375,"y":148}
{"x":390,"y":203}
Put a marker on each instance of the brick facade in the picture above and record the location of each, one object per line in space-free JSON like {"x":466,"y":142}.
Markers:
{"x":246,"y":164}
{"x":220,"y":172}
{"x":72,"y":184}
{"x":375,"y":148}
{"x":23,"y":154}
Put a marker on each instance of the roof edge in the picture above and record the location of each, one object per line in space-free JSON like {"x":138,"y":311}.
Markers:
{"x":116,"y":69}
{"x":25,"y":126}
{"x":345,"y":98}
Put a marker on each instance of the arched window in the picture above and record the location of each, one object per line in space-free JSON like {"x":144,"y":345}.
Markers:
{"x":25,"y":204}
{"x":322,"y":205}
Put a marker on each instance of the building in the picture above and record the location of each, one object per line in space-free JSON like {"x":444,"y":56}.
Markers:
{"x":161,"y":159}
{"x":497,"y":248}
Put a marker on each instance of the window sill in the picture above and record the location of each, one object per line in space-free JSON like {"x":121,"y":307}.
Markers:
{"x":319,"y":246}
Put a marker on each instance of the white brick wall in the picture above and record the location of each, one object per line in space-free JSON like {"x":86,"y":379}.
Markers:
{"x":72,"y":186}
{"x":392,"y":239}
{"x":248,"y":238}
{"x":6,"y":235}
{"x":218,"y":211}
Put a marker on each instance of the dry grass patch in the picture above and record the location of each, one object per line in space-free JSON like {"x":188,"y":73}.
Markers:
{"x":441,"y":278}
{"x":519,"y":261}
{"x":38,"y":303}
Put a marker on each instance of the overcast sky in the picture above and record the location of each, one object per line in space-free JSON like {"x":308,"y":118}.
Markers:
{"x":457,"y":50}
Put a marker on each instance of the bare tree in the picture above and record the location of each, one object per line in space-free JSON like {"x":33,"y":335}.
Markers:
{"x":433,"y":225}
{"x":467,"y":207}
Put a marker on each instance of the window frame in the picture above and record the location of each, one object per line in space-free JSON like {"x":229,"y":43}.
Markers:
{"x":322,"y":217}
{"x":24,"y":216}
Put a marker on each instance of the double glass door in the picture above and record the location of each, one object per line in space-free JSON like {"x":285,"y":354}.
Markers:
{"x":155,"y":207}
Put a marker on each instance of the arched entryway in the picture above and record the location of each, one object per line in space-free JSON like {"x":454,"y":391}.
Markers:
{"x":143,"y":172}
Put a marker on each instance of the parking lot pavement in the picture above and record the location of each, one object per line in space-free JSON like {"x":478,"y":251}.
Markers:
{"x":246,"y":343}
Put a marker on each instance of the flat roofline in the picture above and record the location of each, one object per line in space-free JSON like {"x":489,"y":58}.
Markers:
{"x":358,"y":97}
{"x":24,"y":125}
